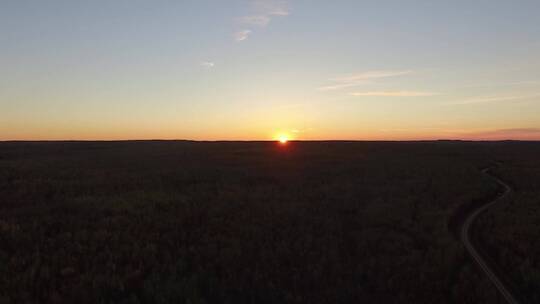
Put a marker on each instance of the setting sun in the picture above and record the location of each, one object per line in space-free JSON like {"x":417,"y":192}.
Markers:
{"x":283,"y":139}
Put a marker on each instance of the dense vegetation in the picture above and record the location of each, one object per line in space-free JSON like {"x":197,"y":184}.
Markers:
{"x":510,"y":231}
{"x":255,"y":222}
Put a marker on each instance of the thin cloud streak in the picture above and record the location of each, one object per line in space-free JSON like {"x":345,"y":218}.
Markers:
{"x":506,"y":84}
{"x":491,"y":99}
{"x":371,"y":75}
{"x":359,"y":79}
{"x":394,"y":94}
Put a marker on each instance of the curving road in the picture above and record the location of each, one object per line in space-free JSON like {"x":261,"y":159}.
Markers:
{"x":465,"y":238}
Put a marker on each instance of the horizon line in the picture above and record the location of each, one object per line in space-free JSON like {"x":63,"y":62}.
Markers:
{"x":260,"y":140}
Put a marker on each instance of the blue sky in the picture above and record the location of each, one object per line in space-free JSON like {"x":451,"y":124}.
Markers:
{"x":257,"y":69}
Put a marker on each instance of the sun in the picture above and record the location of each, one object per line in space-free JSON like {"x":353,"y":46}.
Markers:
{"x":283,"y":139}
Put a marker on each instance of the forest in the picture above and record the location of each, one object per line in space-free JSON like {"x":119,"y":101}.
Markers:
{"x":262,"y":222}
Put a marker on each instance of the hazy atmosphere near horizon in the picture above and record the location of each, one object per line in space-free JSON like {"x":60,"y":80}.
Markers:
{"x":261,"y":69}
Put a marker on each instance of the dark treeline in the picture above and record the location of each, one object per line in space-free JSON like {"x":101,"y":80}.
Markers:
{"x":310,"y":222}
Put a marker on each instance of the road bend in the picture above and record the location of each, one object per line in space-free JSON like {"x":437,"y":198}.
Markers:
{"x":466,"y":239}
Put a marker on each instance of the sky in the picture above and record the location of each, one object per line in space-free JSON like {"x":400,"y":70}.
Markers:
{"x":258,"y":69}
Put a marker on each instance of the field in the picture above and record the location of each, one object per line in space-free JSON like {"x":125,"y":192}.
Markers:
{"x":259,"y":222}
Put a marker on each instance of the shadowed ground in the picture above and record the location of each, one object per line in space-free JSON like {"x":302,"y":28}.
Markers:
{"x":232,"y":222}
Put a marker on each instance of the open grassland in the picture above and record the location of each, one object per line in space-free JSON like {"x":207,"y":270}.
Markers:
{"x":256,"y":222}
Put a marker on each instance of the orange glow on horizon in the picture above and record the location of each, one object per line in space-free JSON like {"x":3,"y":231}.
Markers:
{"x":283,"y":137}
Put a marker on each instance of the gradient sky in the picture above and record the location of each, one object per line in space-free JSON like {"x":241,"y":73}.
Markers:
{"x":201,"y":69}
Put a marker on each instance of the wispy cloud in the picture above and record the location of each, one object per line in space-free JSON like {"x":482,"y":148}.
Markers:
{"x":242,"y":35}
{"x":207,"y":64}
{"x":358,"y":79}
{"x":394,"y":94}
{"x":505,"y":84}
{"x":491,"y":99}
{"x":262,"y":13}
